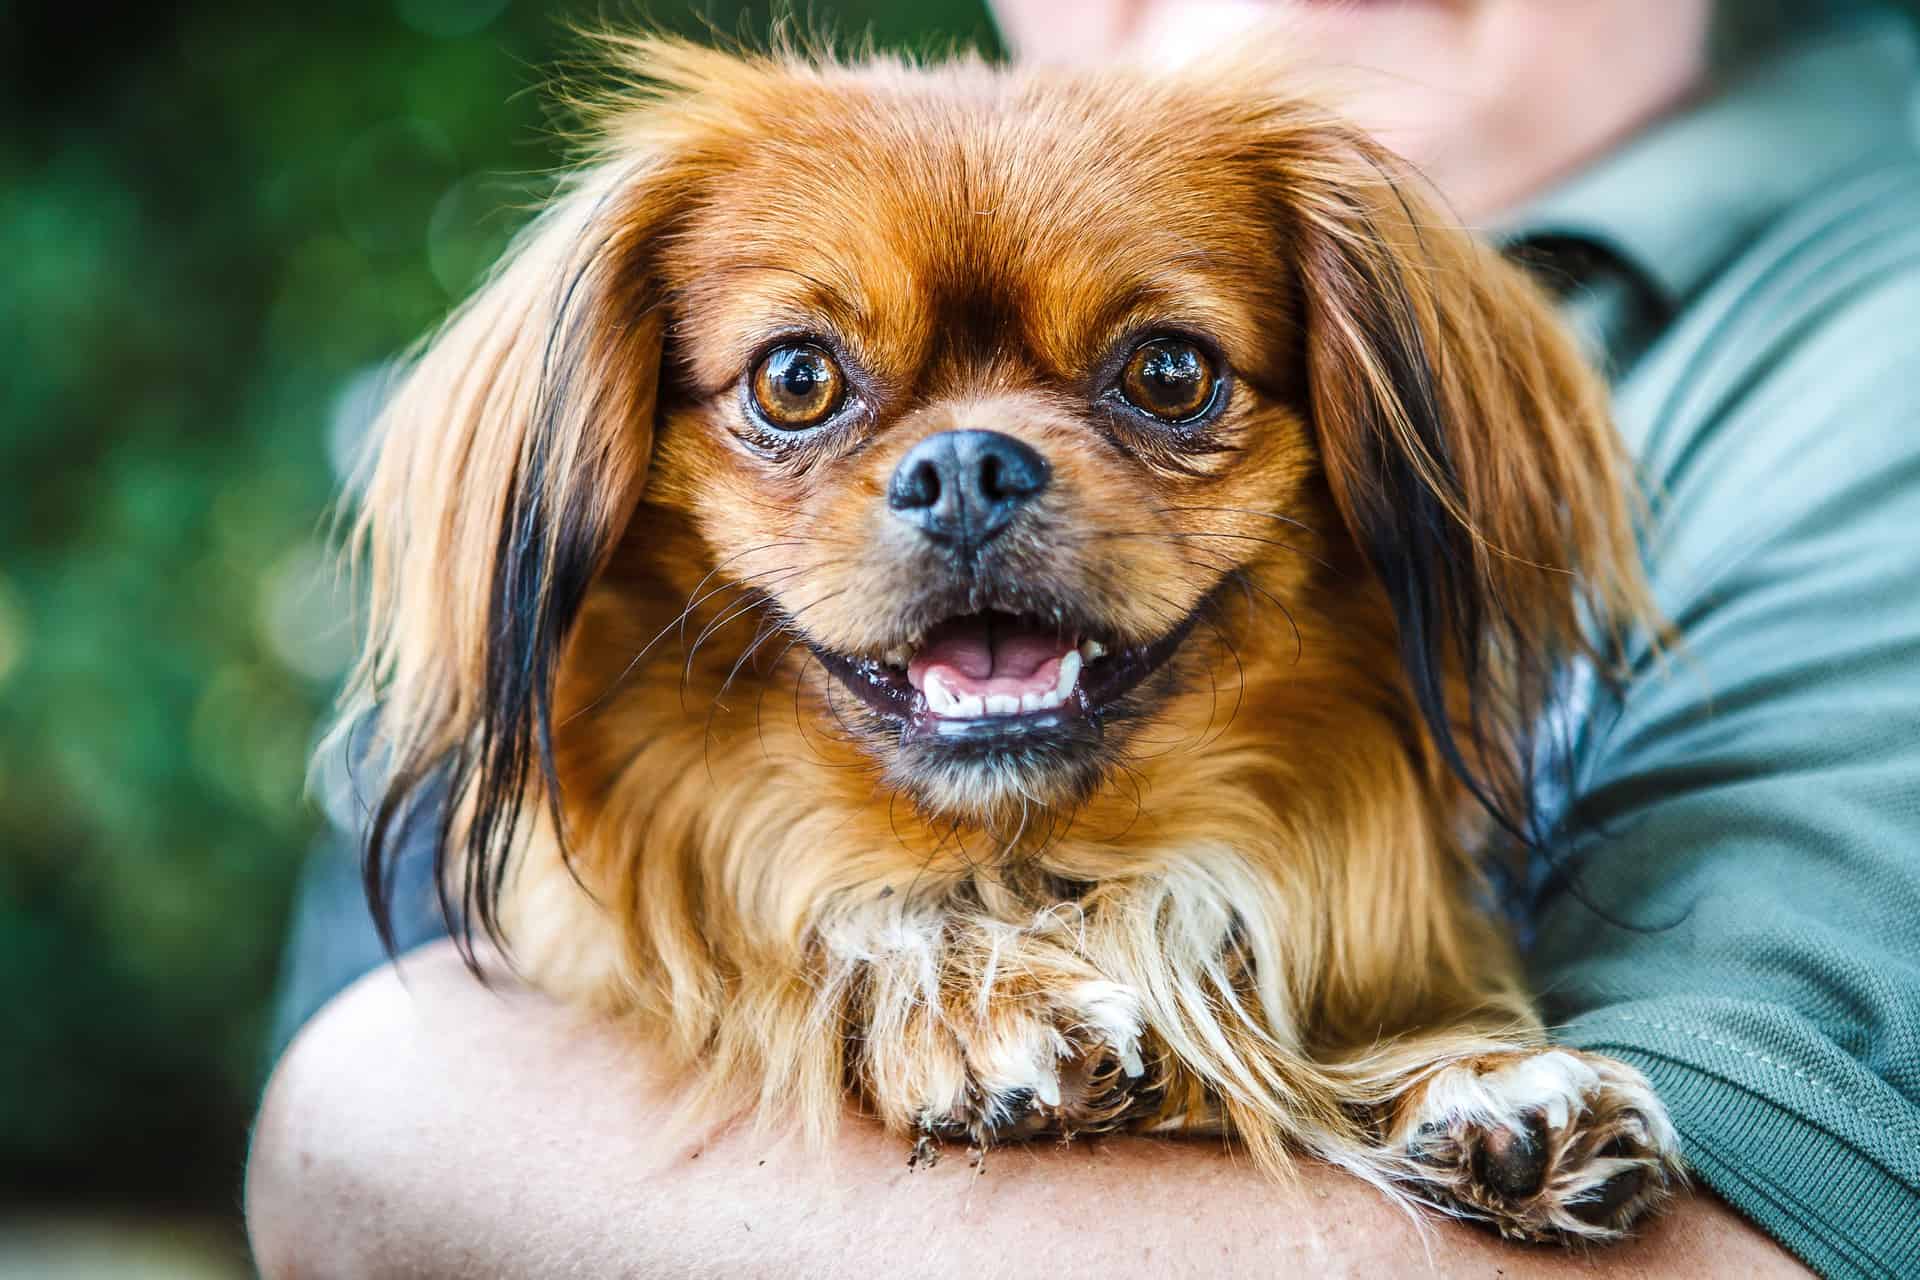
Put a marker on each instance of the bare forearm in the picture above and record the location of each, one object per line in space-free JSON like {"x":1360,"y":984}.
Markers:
{"x":425,"y":1125}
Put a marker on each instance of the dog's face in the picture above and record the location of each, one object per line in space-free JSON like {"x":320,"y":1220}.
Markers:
{"x":989,"y":402}
{"x":987,"y":389}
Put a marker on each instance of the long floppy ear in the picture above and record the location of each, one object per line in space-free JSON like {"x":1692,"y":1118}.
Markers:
{"x":507,"y":464}
{"x":1471,"y":453}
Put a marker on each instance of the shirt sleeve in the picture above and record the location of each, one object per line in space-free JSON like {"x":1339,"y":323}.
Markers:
{"x":331,"y":939}
{"x":1742,"y":915}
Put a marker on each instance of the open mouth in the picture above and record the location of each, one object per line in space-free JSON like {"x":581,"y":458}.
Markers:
{"x":990,"y":675}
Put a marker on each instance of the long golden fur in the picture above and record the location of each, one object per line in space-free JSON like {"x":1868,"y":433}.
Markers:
{"x":1248,"y":897}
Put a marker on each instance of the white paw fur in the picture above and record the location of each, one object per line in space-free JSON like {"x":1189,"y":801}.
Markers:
{"x":1542,"y":1144}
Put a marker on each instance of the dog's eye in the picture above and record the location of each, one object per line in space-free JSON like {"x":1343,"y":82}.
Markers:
{"x":1170,"y":378}
{"x":797,"y":386}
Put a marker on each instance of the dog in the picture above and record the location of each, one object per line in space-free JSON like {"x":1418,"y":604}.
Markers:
{"x":1019,"y":597}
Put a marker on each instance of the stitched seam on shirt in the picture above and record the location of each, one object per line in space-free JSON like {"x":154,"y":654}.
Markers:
{"x":1897,"y":1121}
{"x":1815,"y":1081}
{"x":1781,"y":1196}
{"x":1899,"y":1178}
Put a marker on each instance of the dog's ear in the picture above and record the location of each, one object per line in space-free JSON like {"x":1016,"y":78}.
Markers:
{"x":1470,"y":451}
{"x":506,"y":465}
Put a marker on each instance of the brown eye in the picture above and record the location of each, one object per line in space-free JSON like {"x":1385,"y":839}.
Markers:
{"x":1170,"y":378}
{"x":797,"y":386}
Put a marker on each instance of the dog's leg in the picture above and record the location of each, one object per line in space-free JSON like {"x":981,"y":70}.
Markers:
{"x":1429,"y":1073}
{"x":983,"y":1030}
{"x":1539,"y":1142}
{"x":1469,"y":1108}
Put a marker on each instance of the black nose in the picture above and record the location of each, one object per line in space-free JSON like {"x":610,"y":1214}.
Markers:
{"x":963,"y":487}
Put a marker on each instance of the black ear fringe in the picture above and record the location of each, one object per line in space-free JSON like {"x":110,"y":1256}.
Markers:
{"x":545,"y":558}
{"x":1428,"y":561}
{"x":408,"y":824}
{"x":1445,"y":611}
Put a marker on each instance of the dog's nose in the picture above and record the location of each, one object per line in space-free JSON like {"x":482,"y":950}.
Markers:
{"x":963,"y":487}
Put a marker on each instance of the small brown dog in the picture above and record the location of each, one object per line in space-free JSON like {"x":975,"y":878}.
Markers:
{"x":1018,"y":595}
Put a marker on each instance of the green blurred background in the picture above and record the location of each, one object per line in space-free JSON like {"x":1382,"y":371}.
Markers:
{"x":216,"y":221}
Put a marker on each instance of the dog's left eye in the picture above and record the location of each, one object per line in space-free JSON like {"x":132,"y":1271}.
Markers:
{"x":1170,"y":378}
{"x":797,"y":386}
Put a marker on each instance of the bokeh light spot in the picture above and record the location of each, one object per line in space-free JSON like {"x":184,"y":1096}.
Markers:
{"x":13,"y":630}
{"x":449,"y":18}
{"x":470,"y":228}
{"x":305,"y":613}
{"x":390,"y":178}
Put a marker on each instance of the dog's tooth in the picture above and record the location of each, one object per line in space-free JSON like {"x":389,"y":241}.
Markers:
{"x":1069,"y":674}
{"x":1033,"y":701}
{"x":1002,"y":704}
{"x":899,"y":656}
{"x":940,"y":699}
{"x":1049,"y":699}
{"x":1092,"y":649}
{"x":1130,"y":1063}
{"x":968,"y":707}
{"x":1047,"y":1089}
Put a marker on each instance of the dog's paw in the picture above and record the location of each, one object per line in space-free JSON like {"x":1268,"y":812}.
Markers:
{"x":1019,"y":1065}
{"x":1067,"y":1062}
{"x":1542,"y":1144}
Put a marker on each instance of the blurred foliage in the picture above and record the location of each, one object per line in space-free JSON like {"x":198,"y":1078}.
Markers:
{"x":216,"y":222}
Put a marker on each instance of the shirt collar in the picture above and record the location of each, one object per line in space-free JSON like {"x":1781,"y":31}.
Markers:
{"x":1678,"y":201}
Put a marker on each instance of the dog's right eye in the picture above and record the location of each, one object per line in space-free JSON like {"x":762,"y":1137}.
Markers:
{"x":797,"y":386}
{"x":1169,"y":378}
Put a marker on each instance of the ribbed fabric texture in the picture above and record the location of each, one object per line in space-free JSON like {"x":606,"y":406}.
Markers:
{"x":1742,"y":917}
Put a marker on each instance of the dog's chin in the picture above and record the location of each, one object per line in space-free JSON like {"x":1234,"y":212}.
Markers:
{"x":990,"y":713}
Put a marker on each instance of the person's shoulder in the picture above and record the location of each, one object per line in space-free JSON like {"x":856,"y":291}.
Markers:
{"x":1811,"y":326}
{"x":1838,"y":242}
{"x":1842,"y":252}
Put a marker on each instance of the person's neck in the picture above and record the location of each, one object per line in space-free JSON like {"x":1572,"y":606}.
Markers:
{"x":1496,"y":189}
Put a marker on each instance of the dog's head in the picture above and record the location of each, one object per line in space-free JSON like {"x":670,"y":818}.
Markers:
{"x":989,"y":389}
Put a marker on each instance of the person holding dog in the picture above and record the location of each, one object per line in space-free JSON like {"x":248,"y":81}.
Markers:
{"x":1739,"y":240}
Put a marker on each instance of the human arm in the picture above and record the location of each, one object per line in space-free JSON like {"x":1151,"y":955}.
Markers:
{"x":423,"y":1124}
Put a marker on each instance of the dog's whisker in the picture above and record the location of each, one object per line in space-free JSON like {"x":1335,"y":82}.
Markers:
{"x":760,"y":705}
{"x":756,"y":597}
{"x":1240,"y":692}
{"x":639,"y":656}
{"x":715,"y":571}
{"x":733,"y":611}
{"x":1178,"y":535}
{"x":750,"y":582}
{"x":717,"y":704}
{"x":1248,"y":584}
{"x":770,"y":627}
{"x":1241,"y":511}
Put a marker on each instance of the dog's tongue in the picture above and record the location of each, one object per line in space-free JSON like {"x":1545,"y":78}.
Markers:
{"x":990,"y":653}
